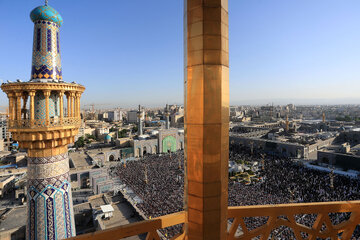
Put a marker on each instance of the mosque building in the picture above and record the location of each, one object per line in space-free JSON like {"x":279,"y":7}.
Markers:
{"x":158,"y":140}
{"x":154,"y":141}
{"x":38,"y":122}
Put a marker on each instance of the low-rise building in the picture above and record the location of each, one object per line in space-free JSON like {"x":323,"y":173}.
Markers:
{"x":7,"y":183}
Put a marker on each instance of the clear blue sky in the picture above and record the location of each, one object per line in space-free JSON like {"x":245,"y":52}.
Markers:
{"x":131,"y":52}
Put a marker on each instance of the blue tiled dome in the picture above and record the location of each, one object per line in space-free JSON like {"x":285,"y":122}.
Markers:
{"x":46,"y":13}
{"x":107,"y":137}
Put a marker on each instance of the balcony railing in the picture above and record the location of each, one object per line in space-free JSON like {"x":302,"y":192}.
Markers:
{"x":306,"y":220}
{"x":39,"y":123}
{"x":328,"y":220}
{"x":150,"y":227}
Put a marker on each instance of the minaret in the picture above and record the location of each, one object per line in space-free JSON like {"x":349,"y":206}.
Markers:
{"x":45,"y":132}
{"x":46,"y":59}
{"x":323,"y":117}
{"x":167,"y":113}
{"x":139,"y":114}
{"x":287,"y":123}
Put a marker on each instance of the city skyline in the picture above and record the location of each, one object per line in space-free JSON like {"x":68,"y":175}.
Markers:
{"x":278,"y":159}
{"x":309,"y":56}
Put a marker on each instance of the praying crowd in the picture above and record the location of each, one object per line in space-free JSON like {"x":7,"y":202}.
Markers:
{"x":159,"y":181}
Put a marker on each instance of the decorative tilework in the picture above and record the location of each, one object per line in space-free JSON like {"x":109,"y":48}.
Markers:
{"x":36,"y":171}
{"x":51,"y":159}
{"x":67,"y":215}
{"x":49,"y":199}
{"x":38,"y":39}
{"x":32,"y":218}
{"x":60,"y":217}
{"x":40,"y":219}
{"x":46,"y":13}
{"x":40,"y":104}
{"x":48,"y":40}
{"x":46,"y":60}
{"x":40,"y":110}
{"x":50,"y":219}
{"x":57,"y":42}
{"x":169,"y":144}
{"x":54,"y":105}
{"x":39,"y":184}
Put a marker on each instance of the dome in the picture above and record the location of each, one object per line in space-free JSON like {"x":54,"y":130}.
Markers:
{"x":107,"y":137}
{"x":46,"y":13}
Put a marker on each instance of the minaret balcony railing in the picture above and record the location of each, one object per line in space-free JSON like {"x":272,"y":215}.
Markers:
{"x":325,"y":220}
{"x":42,"y":123}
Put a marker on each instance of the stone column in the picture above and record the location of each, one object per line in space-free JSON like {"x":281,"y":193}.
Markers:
{"x":206,"y":118}
{"x":78,"y":95}
{"x":32,"y":107}
{"x":11,"y":106}
{"x":76,"y":104}
{"x":72,"y":105}
{"x":47,"y":116}
{"x":68,"y":104}
{"x":18,"y":105}
{"x":61,"y":97}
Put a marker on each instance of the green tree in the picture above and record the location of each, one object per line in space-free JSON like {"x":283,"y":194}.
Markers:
{"x":123,"y":133}
{"x":89,"y":136}
{"x":80,"y":142}
{"x":113,"y":129}
{"x":348,"y":118}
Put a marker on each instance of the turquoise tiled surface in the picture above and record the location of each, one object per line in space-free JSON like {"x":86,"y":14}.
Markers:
{"x":40,"y":110}
{"x":46,"y":13}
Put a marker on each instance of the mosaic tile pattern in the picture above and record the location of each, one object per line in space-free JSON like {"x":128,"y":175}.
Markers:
{"x":169,"y":143}
{"x":51,"y":159}
{"x":38,"y":39}
{"x":49,"y":169}
{"x":54,"y":105}
{"x":49,"y":200}
{"x":46,"y":60}
{"x":40,"y":105}
{"x":40,"y":184}
{"x":46,"y":13}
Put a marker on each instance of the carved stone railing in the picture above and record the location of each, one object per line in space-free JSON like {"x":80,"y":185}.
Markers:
{"x":321,"y":216}
{"x":41,"y":123}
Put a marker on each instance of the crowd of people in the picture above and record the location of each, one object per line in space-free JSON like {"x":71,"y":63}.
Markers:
{"x":159,"y":181}
{"x":287,"y":181}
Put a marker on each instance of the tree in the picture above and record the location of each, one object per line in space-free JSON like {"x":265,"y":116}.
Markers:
{"x":346,"y":118}
{"x":89,"y":136}
{"x":80,"y":142}
{"x":123,"y":133}
{"x":113,"y":129}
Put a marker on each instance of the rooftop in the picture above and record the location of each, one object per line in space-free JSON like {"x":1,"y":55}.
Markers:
{"x":14,"y":219}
